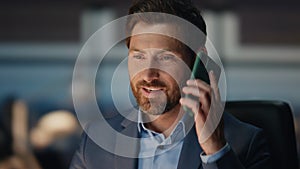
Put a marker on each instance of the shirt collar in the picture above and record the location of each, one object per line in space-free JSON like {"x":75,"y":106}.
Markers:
{"x":178,"y":133}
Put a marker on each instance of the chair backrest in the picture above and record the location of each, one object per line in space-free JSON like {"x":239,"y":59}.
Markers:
{"x":276,"y":119}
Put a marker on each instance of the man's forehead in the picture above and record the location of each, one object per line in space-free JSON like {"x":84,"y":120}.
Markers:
{"x":167,"y":29}
{"x":154,"y":42}
{"x":156,"y":35}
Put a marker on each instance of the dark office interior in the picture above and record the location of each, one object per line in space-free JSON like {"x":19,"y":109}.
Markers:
{"x":258,"y":42}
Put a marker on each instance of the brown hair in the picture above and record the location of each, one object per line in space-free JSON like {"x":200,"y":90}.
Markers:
{"x":181,"y":8}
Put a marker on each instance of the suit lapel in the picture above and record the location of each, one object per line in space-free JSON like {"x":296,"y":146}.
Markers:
{"x":127,"y":144}
{"x":190,"y":153}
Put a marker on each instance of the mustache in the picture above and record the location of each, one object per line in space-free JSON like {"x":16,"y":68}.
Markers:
{"x":154,"y":83}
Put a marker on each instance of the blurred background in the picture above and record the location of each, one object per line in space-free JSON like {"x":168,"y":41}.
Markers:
{"x":257,"y":40}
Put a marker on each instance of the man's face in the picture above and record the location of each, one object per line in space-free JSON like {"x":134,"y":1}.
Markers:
{"x":157,"y":69}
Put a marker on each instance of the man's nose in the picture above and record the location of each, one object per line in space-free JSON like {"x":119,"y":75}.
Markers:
{"x":152,"y":71}
{"x":151,"y":74}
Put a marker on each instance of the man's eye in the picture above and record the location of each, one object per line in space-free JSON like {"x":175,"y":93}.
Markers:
{"x":138,"y":57}
{"x":167,"y":58}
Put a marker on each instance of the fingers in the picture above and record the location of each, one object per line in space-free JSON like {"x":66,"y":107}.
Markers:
{"x":190,"y":103}
{"x":201,"y":91}
{"x":194,"y":106}
{"x":214,"y":85}
{"x":198,"y":83}
{"x":199,"y":95}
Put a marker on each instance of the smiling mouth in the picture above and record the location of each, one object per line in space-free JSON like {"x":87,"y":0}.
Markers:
{"x":151,"y":92}
{"x":151,"y":89}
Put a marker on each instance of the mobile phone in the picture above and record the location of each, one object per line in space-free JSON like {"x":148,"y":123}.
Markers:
{"x":202,"y":65}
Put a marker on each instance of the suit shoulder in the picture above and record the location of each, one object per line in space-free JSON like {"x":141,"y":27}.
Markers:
{"x":245,"y":139}
{"x":235,"y":126}
{"x":116,"y":121}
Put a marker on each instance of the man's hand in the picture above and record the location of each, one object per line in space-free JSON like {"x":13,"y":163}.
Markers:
{"x":206,"y":99}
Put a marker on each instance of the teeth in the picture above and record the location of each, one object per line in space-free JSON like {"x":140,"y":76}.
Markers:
{"x":149,"y":90}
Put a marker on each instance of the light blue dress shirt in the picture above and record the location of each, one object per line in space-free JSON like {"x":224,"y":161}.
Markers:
{"x":158,"y":152}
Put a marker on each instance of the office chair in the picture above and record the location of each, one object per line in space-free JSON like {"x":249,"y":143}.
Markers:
{"x":276,"y":119}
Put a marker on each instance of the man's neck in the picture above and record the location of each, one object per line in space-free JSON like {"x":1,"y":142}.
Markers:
{"x":166,"y":122}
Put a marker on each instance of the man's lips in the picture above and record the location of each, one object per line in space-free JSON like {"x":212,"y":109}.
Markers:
{"x":152,"y":91}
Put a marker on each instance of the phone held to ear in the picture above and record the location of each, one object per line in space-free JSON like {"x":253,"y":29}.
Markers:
{"x":203,"y":64}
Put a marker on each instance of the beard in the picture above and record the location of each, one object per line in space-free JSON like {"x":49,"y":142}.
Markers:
{"x":157,"y":105}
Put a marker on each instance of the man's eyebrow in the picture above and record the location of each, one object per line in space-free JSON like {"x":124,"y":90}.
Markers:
{"x":159,"y":52}
{"x":135,"y":50}
{"x":173,"y":51}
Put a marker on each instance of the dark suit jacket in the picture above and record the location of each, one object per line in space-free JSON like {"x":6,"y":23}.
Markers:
{"x":248,"y":149}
